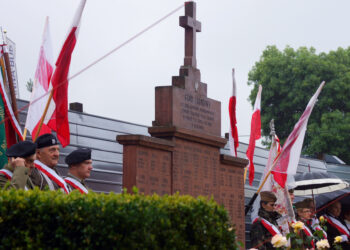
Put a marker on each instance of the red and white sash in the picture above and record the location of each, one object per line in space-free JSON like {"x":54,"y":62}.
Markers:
{"x":8,"y":174}
{"x":307,"y":232}
{"x":315,"y":224}
{"x":52,"y":175}
{"x":76,"y":184}
{"x":337,"y":224}
{"x":269,"y":226}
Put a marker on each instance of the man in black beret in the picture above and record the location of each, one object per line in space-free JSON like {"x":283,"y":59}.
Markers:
{"x":45,"y":174}
{"x":21,"y":158}
{"x":80,"y":165}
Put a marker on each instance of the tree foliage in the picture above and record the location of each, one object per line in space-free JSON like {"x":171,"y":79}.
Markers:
{"x":289,"y":79}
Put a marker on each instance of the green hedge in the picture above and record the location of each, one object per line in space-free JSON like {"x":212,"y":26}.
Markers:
{"x":37,"y":219}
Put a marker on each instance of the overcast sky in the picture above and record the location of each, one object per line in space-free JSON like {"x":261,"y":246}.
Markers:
{"x":234,"y":34}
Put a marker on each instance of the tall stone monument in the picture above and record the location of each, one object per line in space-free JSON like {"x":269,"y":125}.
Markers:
{"x":183,"y":153}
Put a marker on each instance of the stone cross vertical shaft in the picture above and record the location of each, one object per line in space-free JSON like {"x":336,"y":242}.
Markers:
{"x":192,"y":26}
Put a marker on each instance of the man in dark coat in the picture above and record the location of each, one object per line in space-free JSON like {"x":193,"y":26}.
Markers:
{"x":336,"y":226}
{"x":265,"y":226}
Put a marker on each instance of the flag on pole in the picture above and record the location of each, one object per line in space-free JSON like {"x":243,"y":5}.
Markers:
{"x":287,"y":162}
{"x":269,"y":182}
{"x":59,"y":119}
{"x":41,"y":87}
{"x":255,"y":134}
{"x":233,"y":136}
{"x":12,"y":127}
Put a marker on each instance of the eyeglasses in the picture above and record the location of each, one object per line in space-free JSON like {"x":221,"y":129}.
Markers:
{"x":272,"y":204}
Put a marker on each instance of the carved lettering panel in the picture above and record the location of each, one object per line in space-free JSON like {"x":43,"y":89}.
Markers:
{"x":153,"y":171}
{"x":196,"y":112}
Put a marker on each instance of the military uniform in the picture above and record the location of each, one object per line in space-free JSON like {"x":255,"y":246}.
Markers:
{"x":75,"y":158}
{"x":44,"y":176}
{"x":78,"y":184}
{"x":18,"y":176}
{"x":19,"y":179}
{"x":260,"y":236}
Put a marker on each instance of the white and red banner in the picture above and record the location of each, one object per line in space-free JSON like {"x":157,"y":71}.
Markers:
{"x":287,"y":162}
{"x":255,"y":134}
{"x":233,"y":136}
{"x":76,"y":184}
{"x":269,"y":226}
{"x":41,"y":87}
{"x":52,"y":175}
{"x":59,"y":119}
{"x":8,"y":174}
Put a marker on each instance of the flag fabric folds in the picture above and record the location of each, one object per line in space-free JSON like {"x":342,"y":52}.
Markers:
{"x":12,"y":127}
{"x":255,"y":134}
{"x":59,"y":118}
{"x":287,"y":162}
{"x":41,"y":87}
{"x":233,"y":136}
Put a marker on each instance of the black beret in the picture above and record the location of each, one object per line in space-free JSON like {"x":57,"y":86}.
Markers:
{"x":46,"y":140}
{"x":21,"y":149}
{"x":78,"y":156}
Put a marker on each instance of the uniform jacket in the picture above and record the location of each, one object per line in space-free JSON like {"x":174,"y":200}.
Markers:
{"x":76,"y":178}
{"x":39,"y":180}
{"x":260,"y":237}
{"x":20,"y":178}
{"x":333,"y":232}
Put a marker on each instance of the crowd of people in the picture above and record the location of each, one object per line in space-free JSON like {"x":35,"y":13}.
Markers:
{"x":34,"y":165}
{"x":334,"y":223}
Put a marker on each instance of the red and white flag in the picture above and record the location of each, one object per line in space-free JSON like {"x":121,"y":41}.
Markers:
{"x":41,"y":87}
{"x":233,"y":136}
{"x":287,"y":163}
{"x":255,"y":134}
{"x":59,"y":119}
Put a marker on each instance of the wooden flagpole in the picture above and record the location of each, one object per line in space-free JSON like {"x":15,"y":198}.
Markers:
{"x":248,"y":207}
{"x":43,"y":116}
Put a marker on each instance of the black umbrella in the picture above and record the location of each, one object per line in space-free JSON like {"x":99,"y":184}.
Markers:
{"x":343,"y":196}
{"x":317,"y":183}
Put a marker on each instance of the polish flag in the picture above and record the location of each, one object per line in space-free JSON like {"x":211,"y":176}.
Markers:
{"x":41,"y":87}
{"x":233,"y":136}
{"x":59,"y":119}
{"x":255,"y":134}
{"x":287,"y":163}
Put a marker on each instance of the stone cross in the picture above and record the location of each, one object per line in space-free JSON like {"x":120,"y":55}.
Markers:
{"x":191,"y":26}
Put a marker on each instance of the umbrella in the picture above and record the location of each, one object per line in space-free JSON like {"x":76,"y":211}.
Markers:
{"x":343,"y":196}
{"x":317,"y":183}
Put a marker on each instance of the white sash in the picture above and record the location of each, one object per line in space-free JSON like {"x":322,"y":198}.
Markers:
{"x":338,"y":225}
{"x":51,"y":175}
{"x":7,"y":173}
{"x":76,"y":184}
{"x":269,"y":226}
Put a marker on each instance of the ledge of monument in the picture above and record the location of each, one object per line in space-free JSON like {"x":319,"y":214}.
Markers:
{"x":235,"y":161}
{"x":187,"y":134}
{"x":147,"y":141}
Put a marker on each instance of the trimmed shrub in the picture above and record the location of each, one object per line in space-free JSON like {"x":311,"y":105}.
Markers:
{"x":47,"y":219}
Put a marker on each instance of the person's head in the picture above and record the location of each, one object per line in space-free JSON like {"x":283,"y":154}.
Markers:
{"x":80,"y":163}
{"x":347,"y":215}
{"x":303,"y":210}
{"x":267,"y":201}
{"x":311,"y":204}
{"x":291,"y":194}
{"x":48,"y":151}
{"x":25,"y":150}
{"x":335,"y":209}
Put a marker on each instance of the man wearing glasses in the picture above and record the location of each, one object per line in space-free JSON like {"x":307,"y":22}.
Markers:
{"x":265,"y":226}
